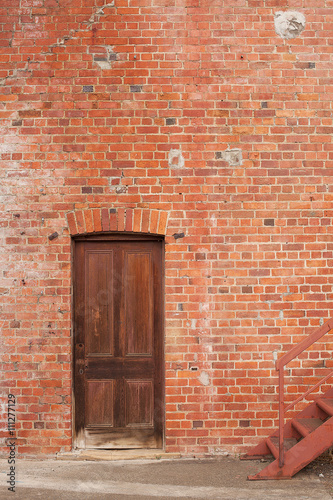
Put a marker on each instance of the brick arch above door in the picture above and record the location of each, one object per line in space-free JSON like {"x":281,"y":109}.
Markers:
{"x":137,"y":220}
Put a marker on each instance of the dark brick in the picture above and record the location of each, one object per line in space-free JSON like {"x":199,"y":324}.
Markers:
{"x":136,"y":88}
{"x":39,"y":425}
{"x":88,"y":88}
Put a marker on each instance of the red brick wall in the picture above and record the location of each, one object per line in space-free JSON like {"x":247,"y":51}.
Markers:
{"x":216,"y":131}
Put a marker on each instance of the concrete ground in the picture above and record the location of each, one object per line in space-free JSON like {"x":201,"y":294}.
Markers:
{"x":222,"y":478}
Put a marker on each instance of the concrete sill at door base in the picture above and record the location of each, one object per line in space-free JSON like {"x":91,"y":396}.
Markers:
{"x":116,"y":455}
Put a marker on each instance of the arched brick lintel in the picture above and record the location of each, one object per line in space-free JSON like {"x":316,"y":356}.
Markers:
{"x":137,"y":220}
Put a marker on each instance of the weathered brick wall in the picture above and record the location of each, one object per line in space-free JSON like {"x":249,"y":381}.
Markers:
{"x":214,"y":128}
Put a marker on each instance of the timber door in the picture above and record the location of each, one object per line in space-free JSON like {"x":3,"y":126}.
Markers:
{"x":118,"y":343}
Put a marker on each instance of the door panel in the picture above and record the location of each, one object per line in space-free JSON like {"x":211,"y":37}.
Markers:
{"x":99,"y":304}
{"x":138,"y":295}
{"x":99,"y":401}
{"x":139,"y":403}
{"x":118,"y":344}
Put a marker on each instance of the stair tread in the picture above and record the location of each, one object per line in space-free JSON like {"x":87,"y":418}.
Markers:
{"x":305,"y":451}
{"x":273,"y":444}
{"x":287,"y":442}
{"x":306,"y":425}
{"x":326,"y":404}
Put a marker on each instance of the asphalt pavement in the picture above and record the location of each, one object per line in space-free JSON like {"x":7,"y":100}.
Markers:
{"x":223,"y":478}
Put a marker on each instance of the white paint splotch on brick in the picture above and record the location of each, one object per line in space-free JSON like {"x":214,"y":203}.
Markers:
{"x":176,"y":158}
{"x":204,"y":378}
{"x":103,"y":55}
{"x":289,"y":24}
{"x":233,"y":156}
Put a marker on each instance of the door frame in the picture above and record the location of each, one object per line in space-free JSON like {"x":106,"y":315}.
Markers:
{"x":113,"y":236}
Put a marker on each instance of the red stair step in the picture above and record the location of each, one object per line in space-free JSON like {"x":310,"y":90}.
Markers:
{"x":302,"y":453}
{"x":273,"y":444}
{"x":306,"y":425}
{"x":326,"y":404}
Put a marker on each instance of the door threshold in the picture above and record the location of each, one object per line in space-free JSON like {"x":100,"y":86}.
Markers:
{"x":151,"y":454}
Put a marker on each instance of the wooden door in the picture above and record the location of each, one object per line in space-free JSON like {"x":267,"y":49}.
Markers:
{"x":118,"y":344}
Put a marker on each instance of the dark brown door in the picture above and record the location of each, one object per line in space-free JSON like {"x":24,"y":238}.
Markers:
{"x":118,"y":339}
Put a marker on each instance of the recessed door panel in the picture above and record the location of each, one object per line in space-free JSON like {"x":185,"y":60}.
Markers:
{"x":139,"y":403}
{"x":98,"y":302}
{"x":139,"y":303}
{"x":99,"y":402}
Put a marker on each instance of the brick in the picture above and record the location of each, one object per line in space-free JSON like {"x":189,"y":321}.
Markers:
{"x":105,"y":219}
{"x":113,"y":219}
{"x":80,"y":222}
{"x":72,"y":223}
{"x":88,"y":221}
{"x":136,"y":88}
{"x":162,"y":223}
{"x":121,"y":219}
{"x":97,"y":219}
{"x":137,"y":218}
{"x":129,"y":220}
{"x":154,"y":216}
{"x":145,"y":221}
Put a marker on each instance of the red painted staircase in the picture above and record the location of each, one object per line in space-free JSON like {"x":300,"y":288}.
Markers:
{"x":304,"y":437}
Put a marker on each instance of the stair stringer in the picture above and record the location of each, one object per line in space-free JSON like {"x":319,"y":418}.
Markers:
{"x":301,"y":454}
{"x":261,"y":450}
